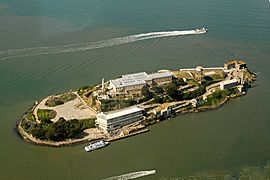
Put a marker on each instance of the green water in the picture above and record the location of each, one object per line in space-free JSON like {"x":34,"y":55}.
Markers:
{"x":214,"y":142}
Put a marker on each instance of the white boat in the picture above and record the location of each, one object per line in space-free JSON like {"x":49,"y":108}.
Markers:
{"x":95,"y":145}
{"x":201,"y":31}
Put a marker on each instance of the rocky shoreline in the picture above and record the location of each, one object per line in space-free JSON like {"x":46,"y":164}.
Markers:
{"x":69,"y":118}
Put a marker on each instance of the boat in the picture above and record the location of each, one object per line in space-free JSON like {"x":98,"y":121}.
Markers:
{"x":201,"y":31}
{"x":96,"y":145}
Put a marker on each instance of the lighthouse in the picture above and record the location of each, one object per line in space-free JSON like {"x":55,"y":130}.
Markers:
{"x":103,"y":86}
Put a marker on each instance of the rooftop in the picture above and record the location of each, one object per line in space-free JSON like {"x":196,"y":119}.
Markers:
{"x":232,"y":61}
{"x":164,"y":106}
{"x":160,"y":75}
{"x":241,"y":62}
{"x":138,"y":78}
{"x":138,"y":75}
{"x":118,"y":113}
{"x":229,"y":81}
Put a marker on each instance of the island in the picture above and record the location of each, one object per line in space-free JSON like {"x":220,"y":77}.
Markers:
{"x":127,"y":105}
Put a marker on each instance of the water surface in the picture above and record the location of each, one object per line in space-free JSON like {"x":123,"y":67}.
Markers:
{"x":220,"y":141}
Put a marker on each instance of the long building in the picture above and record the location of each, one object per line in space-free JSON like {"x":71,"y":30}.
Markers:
{"x":110,"y":121}
{"x":135,"y":82}
{"x":228,"y":84}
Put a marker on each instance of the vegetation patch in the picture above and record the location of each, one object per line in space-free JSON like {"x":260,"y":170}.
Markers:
{"x":30,"y":117}
{"x":217,"y":97}
{"x":196,"y":93}
{"x":45,"y":115}
{"x":199,"y":91}
{"x":60,"y":130}
{"x":85,"y":90}
{"x":173,"y":92}
{"x":61,"y":99}
{"x":183,"y":74}
{"x":109,"y":105}
{"x":147,"y":94}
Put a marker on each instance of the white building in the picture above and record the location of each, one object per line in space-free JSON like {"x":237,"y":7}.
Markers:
{"x":163,"y":110}
{"x":113,"y":120}
{"x":228,"y":84}
{"x":135,"y":82}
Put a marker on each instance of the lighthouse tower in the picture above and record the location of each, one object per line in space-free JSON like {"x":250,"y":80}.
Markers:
{"x":199,"y":70}
{"x":103,"y":86}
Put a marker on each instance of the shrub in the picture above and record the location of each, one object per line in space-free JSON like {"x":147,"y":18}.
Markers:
{"x":45,"y":115}
{"x":172,"y":90}
{"x":61,"y":99}
{"x":179,"y":81}
{"x":109,"y":105}
{"x":146,"y":93}
{"x":220,"y":95}
{"x":193,"y":94}
{"x":158,"y":99}
{"x":62,"y":129}
{"x":198,"y":92}
{"x":88,"y":89}
{"x":26,"y":125}
{"x":30,"y":116}
{"x":158,"y":89}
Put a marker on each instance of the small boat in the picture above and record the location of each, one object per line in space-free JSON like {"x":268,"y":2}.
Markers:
{"x":96,"y":145}
{"x":201,"y":31}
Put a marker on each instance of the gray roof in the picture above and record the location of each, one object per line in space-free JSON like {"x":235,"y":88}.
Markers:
{"x":131,"y":80}
{"x":137,"y":79}
{"x":226,"y":82}
{"x":161,"y":75}
{"x":119,"y":83}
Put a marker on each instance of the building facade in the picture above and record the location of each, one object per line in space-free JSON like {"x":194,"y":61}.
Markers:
{"x":235,"y":64}
{"x":164,"y":110}
{"x":110,"y":121}
{"x":228,"y":84}
{"x":241,"y":65}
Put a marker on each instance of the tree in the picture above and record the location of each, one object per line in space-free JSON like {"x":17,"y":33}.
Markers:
{"x":173,"y":91}
{"x":146,"y":93}
{"x":193,"y":94}
{"x":179,"y":81}
{"x":158,"y":89}
{"x":158,"y":99}
{"x":45,"y":115}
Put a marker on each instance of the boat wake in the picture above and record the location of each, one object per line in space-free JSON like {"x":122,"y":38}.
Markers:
{"x":36,"y":51}
{"x":132,"y":175}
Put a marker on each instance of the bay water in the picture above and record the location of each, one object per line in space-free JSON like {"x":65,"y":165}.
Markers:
{"x":221,"y":141}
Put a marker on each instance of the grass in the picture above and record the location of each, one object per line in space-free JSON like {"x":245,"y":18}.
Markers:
{"x":30,"y":117}
{"x":45,"y":115}
{"x":182,"y":74}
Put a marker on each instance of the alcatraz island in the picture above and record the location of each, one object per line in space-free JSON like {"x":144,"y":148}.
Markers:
{"x":125,"y":106}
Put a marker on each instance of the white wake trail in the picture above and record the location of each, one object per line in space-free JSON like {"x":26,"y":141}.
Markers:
{"x":36,"y":51}
{"x":132,"y":175}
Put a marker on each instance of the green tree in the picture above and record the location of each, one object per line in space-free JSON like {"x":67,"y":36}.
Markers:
{"x":173,"y":92}
{"x":158,"y":89}
{"x":146,"y":93}
{"x":158,"y":99}
{"x":179,"y":81}
{"x":45,"y":115}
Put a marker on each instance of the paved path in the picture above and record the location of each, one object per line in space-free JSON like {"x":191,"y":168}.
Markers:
{"x":75,"y":109}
